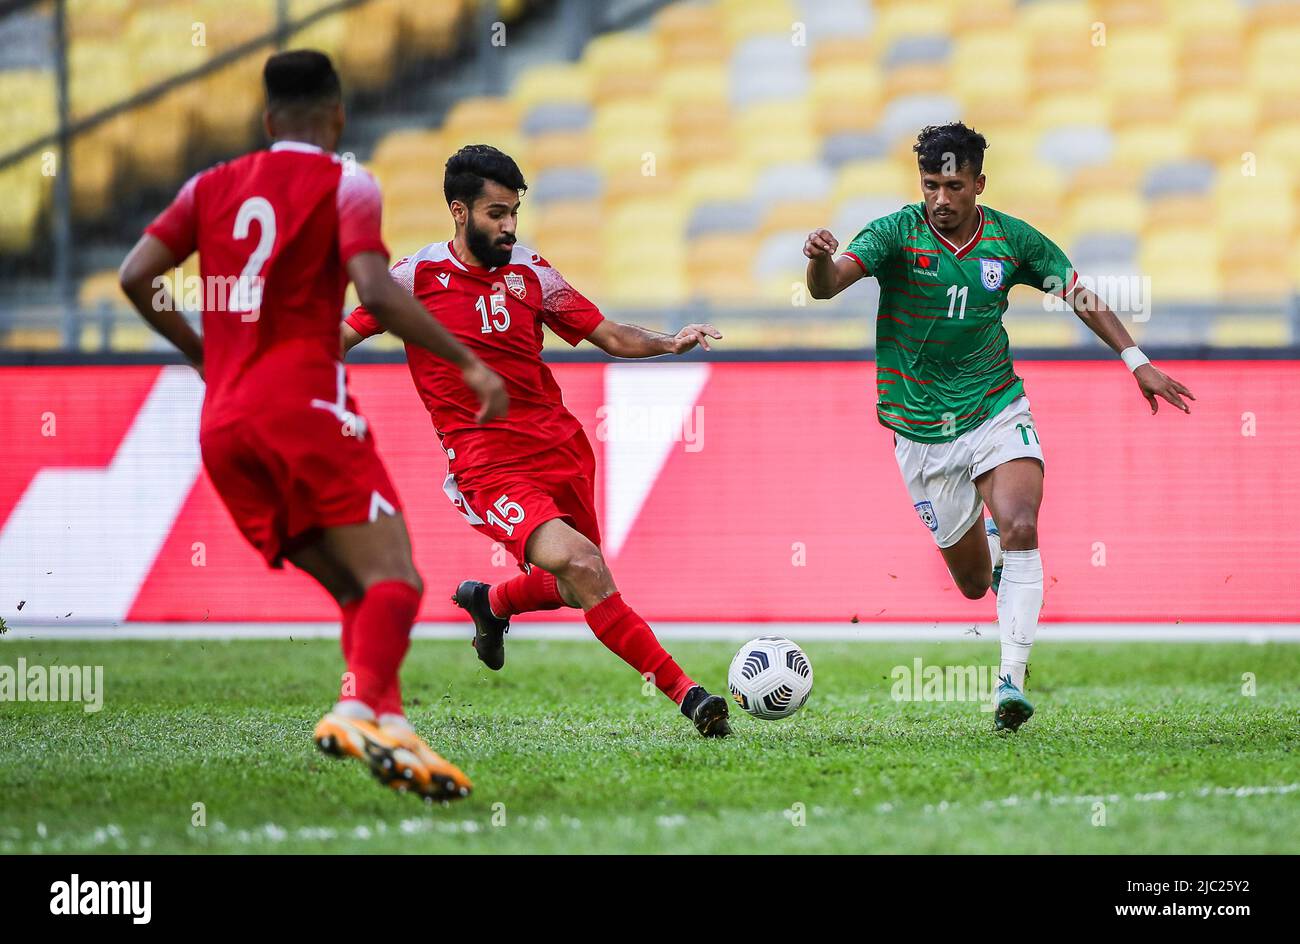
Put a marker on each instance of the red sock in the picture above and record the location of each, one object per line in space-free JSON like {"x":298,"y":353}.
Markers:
{"x":390,"y":702}
{"x":349,"y":611}
{"x":535,"y":590}
{"x":630,"y":638}
{"x":381,"y":634}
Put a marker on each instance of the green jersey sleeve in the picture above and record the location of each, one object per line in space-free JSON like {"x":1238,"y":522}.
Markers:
{"x":1042,"y":263}
{"x":877,"y":244}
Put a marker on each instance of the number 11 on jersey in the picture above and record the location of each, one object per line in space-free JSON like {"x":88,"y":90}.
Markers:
{"x":953,"y":294}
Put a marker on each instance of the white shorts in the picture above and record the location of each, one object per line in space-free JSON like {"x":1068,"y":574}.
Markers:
{"x":940,"y":477}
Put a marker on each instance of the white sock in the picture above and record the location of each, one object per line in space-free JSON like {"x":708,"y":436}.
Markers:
{"x":395,"y":721}
{"x":354,"y":708}
{"x":1020,"y":597}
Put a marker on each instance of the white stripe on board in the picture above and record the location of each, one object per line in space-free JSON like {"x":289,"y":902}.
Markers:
{"x":705,"y":632}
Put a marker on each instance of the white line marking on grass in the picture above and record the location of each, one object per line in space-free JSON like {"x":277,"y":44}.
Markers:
{"x":1255,"y":633}
{"x":272,"y":834}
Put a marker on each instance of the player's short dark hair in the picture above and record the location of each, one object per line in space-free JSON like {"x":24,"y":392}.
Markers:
{"x":473,"y":164}
{"x":300,"y":78}
{"x":951,"y":146}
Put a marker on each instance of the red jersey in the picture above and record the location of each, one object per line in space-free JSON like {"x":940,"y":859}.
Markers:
{"x":274,"y":231}
{"x":498,"y":314}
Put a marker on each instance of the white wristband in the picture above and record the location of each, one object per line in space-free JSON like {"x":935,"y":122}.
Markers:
{"x":1133,"y":357}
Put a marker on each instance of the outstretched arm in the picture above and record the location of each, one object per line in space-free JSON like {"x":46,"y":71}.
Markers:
{"x":1152,"y":381}
{"x":626,"y":340}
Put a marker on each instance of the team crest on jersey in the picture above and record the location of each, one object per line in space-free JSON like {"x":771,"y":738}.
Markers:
{"x":928,"y":518}
{"x":515,"y":282}
{"x":991,"y":273}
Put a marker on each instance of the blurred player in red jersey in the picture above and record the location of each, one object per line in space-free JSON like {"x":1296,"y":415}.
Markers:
{"x":528,"y":479}
{"x":279,"y":233}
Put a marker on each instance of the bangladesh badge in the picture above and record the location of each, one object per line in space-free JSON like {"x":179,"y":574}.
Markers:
{"x":928,"y":517}
{"x":991,"y":273}
{"x":515,"y":282}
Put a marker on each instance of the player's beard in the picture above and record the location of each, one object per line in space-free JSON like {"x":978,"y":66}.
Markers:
{"x":486,"y":250}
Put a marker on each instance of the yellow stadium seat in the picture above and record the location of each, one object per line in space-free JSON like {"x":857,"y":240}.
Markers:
{"x":413,"y":147}
{"x":27,"y":104}
{"x":1212,"y":60}
{"x":1050,"y":329}
{"x":842,"y":51}
{"x":985,"y":59}
{"x":34,"y":339}
{"x":431,"y":28}
{"x":895,"y":21}
{"x":628,"y":133}
{"x":471,"y":116}
{"x":1189,"y":210}
{"x":1250,"y":268}
{"x":369,"y":54}
{"x":702,"y":134}
{"x":22,"y":194}
{"x":96,"y":19}
{"x":1243,"y":331}
{"x":777,"y":133}
{"x":686,"y":32}
{"x":622,"y":63}
{"x":1248,"y":203}
{"x":1122,"y":15}
{"x":234,"y":126}
{"x":1273,"y":64}
{"x":327,"y":34}
{"x":102,"y":290}
{"x":718,"y":269}
{"x":918,"y":78}
{"x":1056,"y":109}
{"x":1060,"y":36}
{"x":563,"y":220}
{"x":1221,"y":123}
{"x":746,"y":18}
{"x":560,"y":149}
{"x":95,"y":162}
{"x":874,"y":178}
{"x":1221,"y":17}
{"x":694,"y":84}
{"x":1151,"y":144}
{"x":1183,"y":265}
{"x":716,"y":181}
{"x":551,"y":83}
{"x":1102,"y":211}
{"x":795,"y":216}
{"x":631,"y":183}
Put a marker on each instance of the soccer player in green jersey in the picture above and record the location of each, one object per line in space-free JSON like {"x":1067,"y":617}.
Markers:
{"x":945,"y":384}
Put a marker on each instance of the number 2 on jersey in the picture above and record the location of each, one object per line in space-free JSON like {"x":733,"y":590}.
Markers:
{"x":500,"y":318}
{"x":247,"y":295}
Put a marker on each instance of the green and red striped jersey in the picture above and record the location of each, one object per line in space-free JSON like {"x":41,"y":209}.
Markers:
{"x":943,"y":361}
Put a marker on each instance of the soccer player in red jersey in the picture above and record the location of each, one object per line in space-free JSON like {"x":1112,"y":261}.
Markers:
{"x":279,"y":233}
{"x":527,"y":480}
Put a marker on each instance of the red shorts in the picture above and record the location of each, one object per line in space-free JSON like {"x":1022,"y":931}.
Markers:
{"x":285,"y":472}
{"x":508,"y":502}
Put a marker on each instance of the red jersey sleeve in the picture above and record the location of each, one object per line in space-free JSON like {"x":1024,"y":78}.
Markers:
{"x":360,"y":209}
{"x":177,"y":226}
{"x":565,"y":310}
{"x":362,"y":321}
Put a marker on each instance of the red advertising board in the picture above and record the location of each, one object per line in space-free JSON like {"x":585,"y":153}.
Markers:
{"x":728,"y":491}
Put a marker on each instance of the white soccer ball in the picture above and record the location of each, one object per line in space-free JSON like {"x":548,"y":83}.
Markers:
{"x":770,"y":677}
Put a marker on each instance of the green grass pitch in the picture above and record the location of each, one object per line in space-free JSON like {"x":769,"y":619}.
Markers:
{"x":1145,"y":747}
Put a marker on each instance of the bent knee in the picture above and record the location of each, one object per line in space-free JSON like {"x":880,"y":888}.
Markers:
{"x":1020,"y":534}
{"x":584,"y":568}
